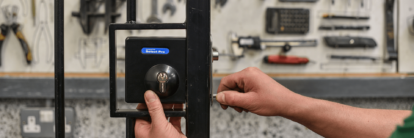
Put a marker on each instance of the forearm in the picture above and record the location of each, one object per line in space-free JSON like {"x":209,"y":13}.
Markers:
{"x":336,"y":120}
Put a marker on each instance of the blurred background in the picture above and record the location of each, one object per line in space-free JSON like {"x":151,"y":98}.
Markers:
{"x":355,"y":52}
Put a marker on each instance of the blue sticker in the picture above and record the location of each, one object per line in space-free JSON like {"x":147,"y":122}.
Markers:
{"x":151,"y":50}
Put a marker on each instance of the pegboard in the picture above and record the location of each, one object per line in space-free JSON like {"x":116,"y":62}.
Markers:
{"x":89,"y":53}
{"x":247,"y":18}
{"x":406,"y":36}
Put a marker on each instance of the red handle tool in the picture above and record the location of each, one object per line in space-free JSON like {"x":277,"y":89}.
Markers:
{"x":281,"y":59}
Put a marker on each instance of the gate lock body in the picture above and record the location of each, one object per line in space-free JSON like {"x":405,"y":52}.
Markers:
{"x":157,"y":64}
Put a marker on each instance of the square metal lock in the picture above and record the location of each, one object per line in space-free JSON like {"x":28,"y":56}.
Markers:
{"x":158,"y":64}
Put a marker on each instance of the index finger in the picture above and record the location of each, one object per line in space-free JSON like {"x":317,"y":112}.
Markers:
{"x":232,"y":82}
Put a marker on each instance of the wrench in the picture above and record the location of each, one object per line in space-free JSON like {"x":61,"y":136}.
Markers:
{"x":154,"y":13}
{"x":220,"y":3}
{"x":169,"y":5}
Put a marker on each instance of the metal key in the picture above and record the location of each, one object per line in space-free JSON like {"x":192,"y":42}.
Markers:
{"x":162,"y":79}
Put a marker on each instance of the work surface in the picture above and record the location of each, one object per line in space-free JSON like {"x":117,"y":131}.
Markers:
{"x":328,"y":87}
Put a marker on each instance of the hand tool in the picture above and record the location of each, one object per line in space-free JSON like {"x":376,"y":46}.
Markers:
{"x":240,"y":44}
{"x":84,"y":14}
{"x":34,"y":11}
{"x":169,"y":5}
{"x":362,"y":4}
{"x":110,"y":5}
{"x":153,"y":18}
{"x":412,"y":23}
{"x":110,"y":12}
{"x":23,"y":42}
{"x":344,"y":27}
{"x":283,"y":59}
{"x":287,"y":21}
{"x":88,"y":13}
{"x":349,"y":42}
{"x":333,"y":16}
{"x":3,"y":33}
{"x":43,"y":39}
{"x":257,"y":43}
{"x":286,"y":45}
{"x":10,"y":13}
{"x":389,"y":27}
{"x":353,"y":57}
{"x":220,"y":3}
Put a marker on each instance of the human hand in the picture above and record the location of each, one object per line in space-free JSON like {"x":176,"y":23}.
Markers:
{"x":254,"y":91}
{"x":158,"y":127}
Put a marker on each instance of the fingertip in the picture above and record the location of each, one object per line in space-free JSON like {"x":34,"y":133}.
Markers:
{"x":221,"y":98}
{"x":150,"y":96}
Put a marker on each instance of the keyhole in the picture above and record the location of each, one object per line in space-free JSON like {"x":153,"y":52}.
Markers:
{"x":162,"y":79}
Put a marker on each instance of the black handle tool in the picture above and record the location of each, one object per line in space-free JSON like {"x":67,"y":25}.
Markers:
{"x":349,"y":42}
{"x":4,"y":29}
{"x":353,"y":57}
{"x":23,"y":42}
{"x":343,"y":27}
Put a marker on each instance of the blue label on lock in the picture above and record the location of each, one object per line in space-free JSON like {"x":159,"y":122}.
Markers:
{"x":151,"y":50}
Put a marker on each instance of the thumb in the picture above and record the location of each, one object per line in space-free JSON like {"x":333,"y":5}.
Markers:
{"x":155,"y":108}
{"x":234,"y":98}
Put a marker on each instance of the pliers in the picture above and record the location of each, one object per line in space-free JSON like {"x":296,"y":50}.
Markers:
{"x":4,"y":29}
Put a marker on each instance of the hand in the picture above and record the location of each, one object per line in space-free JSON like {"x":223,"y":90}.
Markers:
{"x":254,"y":91}
{"x":158,"y":127}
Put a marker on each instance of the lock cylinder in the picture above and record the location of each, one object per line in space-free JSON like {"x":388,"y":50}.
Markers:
{"x":162,"y":79}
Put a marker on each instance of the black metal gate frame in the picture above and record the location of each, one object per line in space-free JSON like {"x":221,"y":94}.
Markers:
{"x":197,"y":26}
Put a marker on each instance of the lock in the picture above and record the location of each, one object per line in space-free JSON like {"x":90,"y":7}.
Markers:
{"x":157,"y":64}
{"x":162,"y":79}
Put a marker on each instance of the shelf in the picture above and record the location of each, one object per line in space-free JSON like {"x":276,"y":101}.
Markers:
{"x":96,"y":86}
{"x":273,"y":75}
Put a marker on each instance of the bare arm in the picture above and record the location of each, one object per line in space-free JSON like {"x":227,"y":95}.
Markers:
{"x":333,"y":120}
{"x":264,"y":96}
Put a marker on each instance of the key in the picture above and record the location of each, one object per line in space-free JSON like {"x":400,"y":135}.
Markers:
{"x":162,"y":79}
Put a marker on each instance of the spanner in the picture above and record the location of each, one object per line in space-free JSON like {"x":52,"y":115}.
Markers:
{"x":169,"y":5}
{"x":154,"y":13}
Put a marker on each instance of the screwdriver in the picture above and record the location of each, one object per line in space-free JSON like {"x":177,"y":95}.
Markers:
{"x":283,"y":59}
{"x":260,"y":44}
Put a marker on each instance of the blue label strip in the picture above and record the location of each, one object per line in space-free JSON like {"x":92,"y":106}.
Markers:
{"x":150,"y":50}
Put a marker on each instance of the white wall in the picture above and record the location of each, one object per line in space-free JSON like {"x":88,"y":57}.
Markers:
{"x":85,"y":53}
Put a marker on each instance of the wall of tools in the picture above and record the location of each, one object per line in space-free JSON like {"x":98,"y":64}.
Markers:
{"x":278,"y":36}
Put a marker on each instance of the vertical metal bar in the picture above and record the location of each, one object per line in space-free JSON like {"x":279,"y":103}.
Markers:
{"x":130,"y":126}
{"x":198,"y":68}
{"x":131,"y":11}
{"x":112,"y":71}
{"x":59,"y":71}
